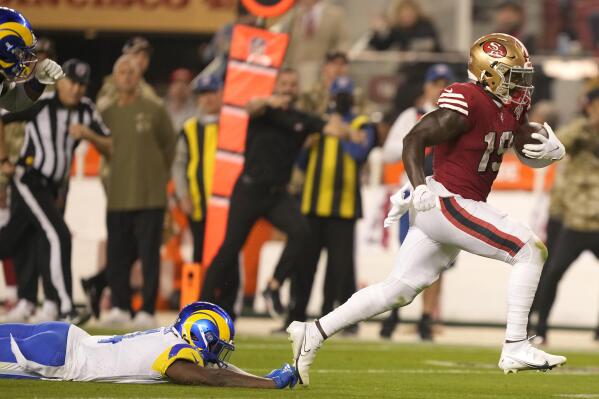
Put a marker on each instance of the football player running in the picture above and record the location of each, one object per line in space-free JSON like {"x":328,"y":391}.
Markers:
{"x":470,"y":131}
{"x":195,"y":351}
{"x":22,"y":77}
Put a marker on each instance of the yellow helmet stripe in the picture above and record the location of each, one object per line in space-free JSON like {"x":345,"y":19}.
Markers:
{"x":20,"y":30}
{"x":223,"y":328}
{"x":4,"y":64}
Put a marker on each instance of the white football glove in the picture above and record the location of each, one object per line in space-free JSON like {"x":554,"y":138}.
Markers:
{"x":423,"y":199}
{"x":48,"y":72}
{"x":400,"y":204}
{"x":549,"y":148}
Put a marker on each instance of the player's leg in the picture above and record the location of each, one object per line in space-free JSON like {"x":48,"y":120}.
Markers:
{"x":418,"y":264}
{"x":479,"y":228}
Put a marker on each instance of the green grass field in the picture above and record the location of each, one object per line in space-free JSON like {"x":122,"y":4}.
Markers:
{"x":354,"y":369}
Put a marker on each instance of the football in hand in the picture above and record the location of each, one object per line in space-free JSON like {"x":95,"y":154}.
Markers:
{"x":523,"y":137}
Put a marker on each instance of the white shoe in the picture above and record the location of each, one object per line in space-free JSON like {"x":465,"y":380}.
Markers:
{"x":20,"y":313}
{"x":48,"y":312}
{"x":305,"y":342}
{"x":144,"y":321}
{"x":116,"y":318}
{"x":520,"y":356}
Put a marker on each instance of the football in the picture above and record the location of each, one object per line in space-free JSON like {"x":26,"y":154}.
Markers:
{"x":523,"y":137}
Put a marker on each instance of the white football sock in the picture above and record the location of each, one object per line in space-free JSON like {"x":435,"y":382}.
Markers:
{"x":366,"y":303}
{"x":522,"y":287}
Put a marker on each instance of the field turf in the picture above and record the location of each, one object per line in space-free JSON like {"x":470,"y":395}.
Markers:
{"x":355,"y":369}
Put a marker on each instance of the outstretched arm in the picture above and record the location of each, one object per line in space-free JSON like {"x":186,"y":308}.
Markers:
{"x":436,"y":127}
{"x":184,"y":372}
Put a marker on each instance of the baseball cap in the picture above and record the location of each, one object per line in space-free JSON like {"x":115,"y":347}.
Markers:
{"x":77,"y":71}
{"x":206,"y":84}
{"x":343,"y":84}
{"x":439,"y":71}
{"x":336,"y":55}
{"x":181,"y":74}
{"x":137,"y":44}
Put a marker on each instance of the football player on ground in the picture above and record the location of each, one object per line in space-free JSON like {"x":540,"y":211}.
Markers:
{"x":470,"y":131}
{"x":194,"y":351}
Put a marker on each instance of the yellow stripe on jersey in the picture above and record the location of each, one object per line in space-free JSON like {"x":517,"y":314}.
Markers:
{"x":324,"y":205}
{"x":348,"y":192}
{"x":350,"y":174}
{"x":177,"y":352}
{"x":20,"y":30}
{"x":210,"y":144}
{"x":191,"y":132}
{"x":309,"y":181}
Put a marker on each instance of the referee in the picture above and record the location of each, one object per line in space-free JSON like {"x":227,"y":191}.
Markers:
{"x":56,"y":124}
{"x":276,"y":132}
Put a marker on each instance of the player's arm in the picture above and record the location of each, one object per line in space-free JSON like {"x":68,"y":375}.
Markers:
{"x":436,"y":127}
{"x":17,"y":97}
{"x":187,"y":373}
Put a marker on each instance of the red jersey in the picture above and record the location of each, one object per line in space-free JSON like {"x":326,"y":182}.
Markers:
{"x":468,"y":165}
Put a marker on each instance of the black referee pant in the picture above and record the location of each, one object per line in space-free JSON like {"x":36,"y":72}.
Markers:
{"x":568,"y":246}
{"x":337,"y":236}
{"x":250,"y":202}
{"x":37,"y":232}
{"x":132,"y":235}
{"x":197,"y":234}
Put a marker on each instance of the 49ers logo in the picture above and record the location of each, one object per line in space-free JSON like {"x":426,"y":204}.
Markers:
{"x":494,"y":49}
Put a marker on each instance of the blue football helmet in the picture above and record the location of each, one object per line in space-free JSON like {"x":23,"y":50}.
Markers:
{"x":209,"y":328}
{"x":17,"y":59}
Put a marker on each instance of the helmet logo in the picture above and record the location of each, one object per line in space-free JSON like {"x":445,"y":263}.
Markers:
{"x":494,"y":49}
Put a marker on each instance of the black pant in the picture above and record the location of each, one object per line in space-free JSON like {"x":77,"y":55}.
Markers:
{"x":568,"y":246}
{"x":337,"y":236}
{"x":132,"y":235}
{"x":38,"y":239}
{"x":554,"y":226}
{"x":250,"y":202}
{"x":197,"y":234}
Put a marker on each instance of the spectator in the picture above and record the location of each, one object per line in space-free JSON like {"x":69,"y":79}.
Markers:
{"x":437,"y":78}
{"x":179,"y":99}
{"x":316,"y":99}
{"x":194,"y":159}
{"x":140,"y":51}
{"x":144,"y":143}
{"x":408,"y":29}
{"x":510,"y":19}
{"x":580,"y":220}
{"x":331,"y":201}
{"x":275,"y":135}
{"x":36,"y":233}
{"x":316,"y":28}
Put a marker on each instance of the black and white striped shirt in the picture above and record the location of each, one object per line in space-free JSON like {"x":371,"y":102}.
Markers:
{"x":48,"y":146}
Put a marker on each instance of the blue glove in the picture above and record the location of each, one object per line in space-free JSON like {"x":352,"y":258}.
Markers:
{"x":283,"y":377}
